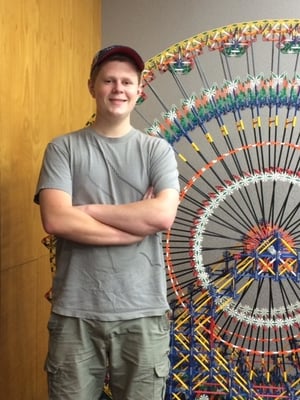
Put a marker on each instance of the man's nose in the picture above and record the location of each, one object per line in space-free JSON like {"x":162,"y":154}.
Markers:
{"x":118,"y":87}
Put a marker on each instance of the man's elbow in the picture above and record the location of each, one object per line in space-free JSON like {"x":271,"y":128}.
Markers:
{"x":166,"y":221}
{"x":167,"y":209}
{"x":51,"y":226}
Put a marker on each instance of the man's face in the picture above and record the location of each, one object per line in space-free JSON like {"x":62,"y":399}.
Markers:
{"x":115,"y":89}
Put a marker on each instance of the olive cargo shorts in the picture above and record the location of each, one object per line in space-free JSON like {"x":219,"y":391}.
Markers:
{"x":135,"y":352}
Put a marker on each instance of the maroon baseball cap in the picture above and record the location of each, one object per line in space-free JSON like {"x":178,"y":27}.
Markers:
{"x":104,"y":54}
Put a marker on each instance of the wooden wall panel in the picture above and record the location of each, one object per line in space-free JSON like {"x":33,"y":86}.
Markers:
{"x":24,"y":315}
{"x":46,"y":50}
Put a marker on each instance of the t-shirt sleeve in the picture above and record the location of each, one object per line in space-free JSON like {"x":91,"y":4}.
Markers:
{"x":55,"y":171}
{"x":164,"y":170}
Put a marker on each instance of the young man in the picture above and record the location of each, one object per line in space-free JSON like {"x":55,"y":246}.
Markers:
{"x":106,"y":192}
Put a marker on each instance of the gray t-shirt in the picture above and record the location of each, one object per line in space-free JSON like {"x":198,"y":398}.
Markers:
{"x":109,"y":282}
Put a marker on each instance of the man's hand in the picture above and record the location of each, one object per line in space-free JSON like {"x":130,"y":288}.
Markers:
{"x":149,"y":194}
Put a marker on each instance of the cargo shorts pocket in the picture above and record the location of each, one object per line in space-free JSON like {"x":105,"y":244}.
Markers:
{"x":54,"y":377}
{"x":161,"y":370}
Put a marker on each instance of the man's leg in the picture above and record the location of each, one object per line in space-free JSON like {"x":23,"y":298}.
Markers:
{"x":139,"y":362}
{"x":75,"y":370}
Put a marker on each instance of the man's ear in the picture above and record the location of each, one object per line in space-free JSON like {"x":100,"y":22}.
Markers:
{"x":91,"y":88}
{"x":140,"y":90}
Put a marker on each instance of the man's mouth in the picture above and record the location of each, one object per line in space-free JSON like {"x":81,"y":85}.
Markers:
{"x":118,"y":100}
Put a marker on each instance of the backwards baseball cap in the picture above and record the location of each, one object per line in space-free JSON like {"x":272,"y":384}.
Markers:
{"x":104,"y":54}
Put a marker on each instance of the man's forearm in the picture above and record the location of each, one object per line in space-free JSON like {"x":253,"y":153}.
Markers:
{"x":60,"y":218}
{"x":143,"y":218}
{"x":93,"y":232}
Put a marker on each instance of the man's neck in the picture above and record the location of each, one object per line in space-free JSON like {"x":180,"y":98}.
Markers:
{"x":111,"y":128}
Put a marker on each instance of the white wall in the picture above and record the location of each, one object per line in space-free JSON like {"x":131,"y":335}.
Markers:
{"x":153,"y":25}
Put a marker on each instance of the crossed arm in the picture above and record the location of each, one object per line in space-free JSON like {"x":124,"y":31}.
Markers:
{"x":106,"y":224}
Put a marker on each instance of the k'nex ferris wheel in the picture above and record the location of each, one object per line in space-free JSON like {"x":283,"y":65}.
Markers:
{"x":227,"y":100}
